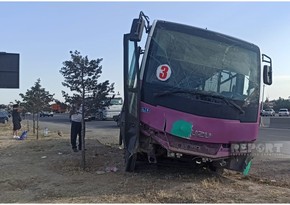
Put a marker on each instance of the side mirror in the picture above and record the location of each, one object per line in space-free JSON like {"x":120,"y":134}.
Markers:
{"x":267,"y":75}
{"x":137,"y":29}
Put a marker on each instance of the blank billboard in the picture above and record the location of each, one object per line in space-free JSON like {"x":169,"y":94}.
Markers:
{"x":9,"y":70}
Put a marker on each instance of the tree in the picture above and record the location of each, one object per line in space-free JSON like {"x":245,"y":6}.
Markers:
{"x":281,"y":103}
{"x":82,"y":74}
{"x":35,"y":100}
{"x":81,"y":77}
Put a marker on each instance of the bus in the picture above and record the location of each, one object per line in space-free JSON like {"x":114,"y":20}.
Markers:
{"x":191,"y":94}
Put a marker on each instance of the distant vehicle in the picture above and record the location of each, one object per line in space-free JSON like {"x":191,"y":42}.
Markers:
{"x":283,"y":112}
{"x":268,"y":112}
{"x":117,"y":119}
{"x":4,"y":117}
{"x":113,"y":110}
{"x":88,"y":117}
{"x":46,"y":114}
{"x":8,"y":113}
{"x":28,"y":113}
{"x":57,"y":108}
{"x":5,"y":111}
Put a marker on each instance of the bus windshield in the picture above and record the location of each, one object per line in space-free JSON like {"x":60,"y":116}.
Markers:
{"x":182,"y":59}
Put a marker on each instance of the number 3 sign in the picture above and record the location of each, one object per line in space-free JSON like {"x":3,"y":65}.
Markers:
{"x":163,"y":72}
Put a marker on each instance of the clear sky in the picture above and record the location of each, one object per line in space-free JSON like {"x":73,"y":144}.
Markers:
{"x":44,"y":33}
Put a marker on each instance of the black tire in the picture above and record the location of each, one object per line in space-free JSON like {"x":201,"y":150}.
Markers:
{"x":215,"y":168}
{"x":100,"y":116}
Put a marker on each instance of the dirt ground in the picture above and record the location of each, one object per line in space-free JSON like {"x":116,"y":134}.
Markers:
{"x":47,"y":171}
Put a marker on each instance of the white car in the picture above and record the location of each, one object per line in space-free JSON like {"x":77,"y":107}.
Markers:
{"x":268,"y":112}
{"x":283,"y":112}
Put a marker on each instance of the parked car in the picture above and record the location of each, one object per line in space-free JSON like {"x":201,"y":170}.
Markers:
{"x":268,"y":112}
{"x":88,"y":117}
{"x":108,"y":112}
{"x":46,"y":114}
{"x":262,"y":112}
{"x":283,"y":112}
{"x":4,"y":117}
{"x":117,"y":118}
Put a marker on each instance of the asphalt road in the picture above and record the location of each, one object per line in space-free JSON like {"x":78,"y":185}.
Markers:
{"x":63,"y":118}
{"x":106,"y":132}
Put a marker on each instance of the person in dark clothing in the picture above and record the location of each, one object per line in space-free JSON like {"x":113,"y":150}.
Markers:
{"x":76,"y":126}
{"x":16,"y":119}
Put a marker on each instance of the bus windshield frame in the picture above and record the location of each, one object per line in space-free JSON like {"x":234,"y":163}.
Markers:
{"x":204,"y":62}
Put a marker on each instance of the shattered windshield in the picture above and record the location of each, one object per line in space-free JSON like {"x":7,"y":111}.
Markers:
{"x":186,"y":61}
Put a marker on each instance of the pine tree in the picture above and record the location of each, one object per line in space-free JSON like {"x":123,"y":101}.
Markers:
{"x":81,"y":77}
{"x":36,"y":99}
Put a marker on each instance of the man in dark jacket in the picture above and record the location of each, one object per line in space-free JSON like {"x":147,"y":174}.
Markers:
{"x":16,"y":119}
{"x":76,"y":126}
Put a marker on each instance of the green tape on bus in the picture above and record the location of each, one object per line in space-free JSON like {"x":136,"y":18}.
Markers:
{"x":247,"y":169}
{"x":182,"y":129}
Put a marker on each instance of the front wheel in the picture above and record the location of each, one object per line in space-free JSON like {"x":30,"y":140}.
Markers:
{"x":217,"y":169}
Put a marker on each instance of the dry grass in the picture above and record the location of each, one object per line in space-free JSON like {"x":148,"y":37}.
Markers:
{"x":58,"y":178}
{"x":211,"y":183}
{"x":6,"y":129}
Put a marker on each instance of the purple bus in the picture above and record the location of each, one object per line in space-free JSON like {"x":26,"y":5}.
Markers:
{"x":191,"y":94}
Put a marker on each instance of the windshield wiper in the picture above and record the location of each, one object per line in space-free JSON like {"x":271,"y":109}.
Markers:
{"x":202,"y":93}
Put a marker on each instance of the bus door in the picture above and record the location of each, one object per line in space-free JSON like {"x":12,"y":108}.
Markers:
{"x":131,"y":102}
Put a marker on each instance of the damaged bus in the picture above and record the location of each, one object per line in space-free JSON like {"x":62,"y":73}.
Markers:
{"x":192,"y":94}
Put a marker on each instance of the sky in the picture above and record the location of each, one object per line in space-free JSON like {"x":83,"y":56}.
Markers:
{"x":43,"y":33}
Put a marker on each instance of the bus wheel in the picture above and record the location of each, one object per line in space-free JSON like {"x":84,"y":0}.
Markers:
{"x":130,"y":161}
{"x":216,"y":169}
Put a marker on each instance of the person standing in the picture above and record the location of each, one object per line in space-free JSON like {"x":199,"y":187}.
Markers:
{"x":16,"y":120}
{"x":76,"y":126}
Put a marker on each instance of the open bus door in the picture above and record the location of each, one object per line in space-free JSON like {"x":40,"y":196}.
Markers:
{"x":131,"y":108}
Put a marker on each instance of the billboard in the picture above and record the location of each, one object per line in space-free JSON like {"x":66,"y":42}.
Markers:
{"x":9,"y":70}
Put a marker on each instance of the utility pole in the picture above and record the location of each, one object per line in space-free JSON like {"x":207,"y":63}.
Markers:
{"x":83,"y":162}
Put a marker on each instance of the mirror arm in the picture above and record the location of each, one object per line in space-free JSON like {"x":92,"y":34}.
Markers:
{"x":142,"y":15}
{"x":268,"y":60}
